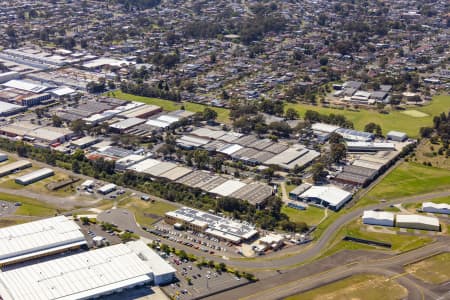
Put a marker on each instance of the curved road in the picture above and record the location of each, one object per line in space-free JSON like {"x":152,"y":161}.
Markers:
{"x":278,"y":260}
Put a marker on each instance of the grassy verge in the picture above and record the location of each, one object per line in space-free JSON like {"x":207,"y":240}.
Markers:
{"x":408,"y":179}
{"x":223,"y":114}
{"x":147,"y":213}
{"x":367,"y":287}
{"x":400,"y":243}
{"x":395,"y":120}
{"x":435,"y":270}
{"x":29,"y":207}
{"x":310,"y":216}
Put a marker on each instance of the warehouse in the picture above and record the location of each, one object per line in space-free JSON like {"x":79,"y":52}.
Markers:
{"x":255,"y":193}
{"x":176,"y":173}
{"x":107,"y":188}
{"x":24,"y":242}
{"x":228,"y":187}
{"x":356,"y":175}
{"x":126,"y":124}
{"x":143,"y":165}
{"x":191,"y":142}
{"x":418,"y":222}
{"x":222,"y":228}
{"x":8,"y":109}
{"x":14,"y":167}
{"x":34,"y":176}
{"x":128,"y":161}
{"x":327,"y":196}
{"x":143,"y":112}
{"x":323,"y":131}
{"x":208,"y":133}
{"x":382,"y":218}
{"x":354,"y":135}
{"x":3,"y":157}
{"x":297,"y":155}
{"x":437,"y":208}
{"x":369,"y":146}
{"x":397,"y":136}
{"x":85,"y":142}
{"x":160,"y":168}
{"x":297,"y":191}
{"x":87,"y":275}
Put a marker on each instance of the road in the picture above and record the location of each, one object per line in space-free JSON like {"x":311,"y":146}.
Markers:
{"x":298,"y":280}
{"x":275,"y":260}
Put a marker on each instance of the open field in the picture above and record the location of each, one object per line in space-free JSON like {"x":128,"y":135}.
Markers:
{"x":223,"y":114}
{"x":406,"y":180}
{"x":400,"y":243}
{"x":310,"y":216}
{"x":413,"y":206}
{"x":435,"y":270}
{"x":395,"y":120}
{"x":427,"y":152}
{"x":367,"y":287}
{"x":8,"y":221}
{"x":29,"y":207}
{"x":146,"y":213}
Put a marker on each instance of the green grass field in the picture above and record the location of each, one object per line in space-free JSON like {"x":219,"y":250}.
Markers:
{"x":400,"y":243}
{"x":311,"y":216}
{"x":223,"y":114}
{"x":435,"y":270}
{"x":146,"y":213}
{"x":395,"y":120}
{"x":29,"y":207}
{"x":408,"y":179}
{"x":367,"y":287}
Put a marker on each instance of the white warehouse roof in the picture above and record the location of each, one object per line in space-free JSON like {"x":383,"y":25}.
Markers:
{"x":378,"y":217}
{"x":34,"y":176}
{"x":324,"y":127}
{"x":418,"y":219}
{"x":228,"y":187}
{"x":333,"y":195}
{"x":85,"y":275}
{"x":38,"y":237}
{"x":442,"y":208}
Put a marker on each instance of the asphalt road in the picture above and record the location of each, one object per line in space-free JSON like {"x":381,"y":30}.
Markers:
{"x":298,"y":280}
{"x":276,"y":260}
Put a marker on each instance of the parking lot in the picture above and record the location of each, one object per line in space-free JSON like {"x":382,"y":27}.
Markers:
{"x":93,"y":230}
{"x":203,"y":280}
{"x":8,"y":208}
{"x":195,"y":240}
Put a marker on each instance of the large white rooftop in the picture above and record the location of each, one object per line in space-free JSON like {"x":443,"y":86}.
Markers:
{"x":30,"y":238}
{"x":84,"y":275}
{"x":329,"y":193}
{"x":228,"y":187}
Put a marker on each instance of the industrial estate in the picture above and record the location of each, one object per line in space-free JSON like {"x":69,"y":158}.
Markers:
{"x":159,"y":149}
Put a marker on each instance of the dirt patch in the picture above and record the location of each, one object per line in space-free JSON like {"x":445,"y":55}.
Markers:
{"x":415,"y":113}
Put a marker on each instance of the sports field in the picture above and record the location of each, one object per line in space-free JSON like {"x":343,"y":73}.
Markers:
{"x":358,"y":287}
{"x":408,"y":179}
{"x":223,"y":114}
{"x":408,"y":121}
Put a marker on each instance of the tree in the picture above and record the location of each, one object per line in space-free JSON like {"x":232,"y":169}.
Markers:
{"x":291,"y":114}
{"x":201,"y":158}
{"x":76,"y":166}
{"x":209,"y":114}
{"x":335,"y":138}
{"x":426,"y":132}
{"x":373,"y":128}
{"x":318,"y":171}
{"x":57,"y":122}
{"x":78,"y":126}
{"x":338,"y":152}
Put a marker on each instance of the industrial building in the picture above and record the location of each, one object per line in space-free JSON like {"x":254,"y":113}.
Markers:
{"x":436,"y":208}
{"x":356,"y":175}
{"x":369,"y":146}
{"x":37,"y":239}
{"x":9,"y":109}
{"x":327,"y":195}
{"x":417,"y":222}
{"x":381,"y":218}
{"x":87,"y":275}
{"x":219,"y":227}
{"x":296,"y":155}
{"x":35,"y":132}
{"x":123,"y":125}
{"x":127,"y":161}
{"x":14,"y":167}
{"x":107,"y":188}
{"x":354,"y":135}
{"x":297,"y":191}
{"x":3,"y":157}
{"x":34,"y":176}
{"x":397,"y":136}
{"x":85,"y":142}
{"x":323,"y":131}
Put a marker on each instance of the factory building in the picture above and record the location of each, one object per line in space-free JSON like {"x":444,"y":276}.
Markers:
{"x":9,"y":109}
{"x":219,"y":227}
{"x":34,"y":176}
{"x":37,"y":239}
{"x":418,"y":222}
{"x":369,"y":147}
{"x":107,"y":188}
{"x":3,"y":157}
{"x":354,"y":135}
{"x":397,"y":136}
{"x":381,"y":218}
{"x":87,"y":275}
{"x":436,"y":208}
{"x":328,"y":196}
{"x":14,"y":167}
